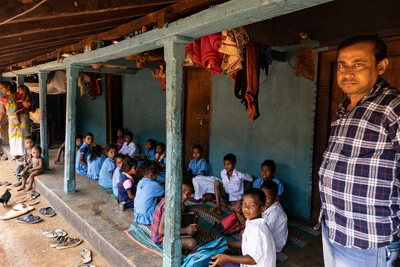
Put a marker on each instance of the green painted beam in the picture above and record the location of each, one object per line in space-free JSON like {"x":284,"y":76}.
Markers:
{"x":109,"y":70}
{"x":50,"y":66}
{"x":128,"y":63}
{"x":43,"y":117}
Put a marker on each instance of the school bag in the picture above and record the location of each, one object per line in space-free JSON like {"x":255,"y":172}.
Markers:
{"x":229,"y":225}
{"x":201,"y":255}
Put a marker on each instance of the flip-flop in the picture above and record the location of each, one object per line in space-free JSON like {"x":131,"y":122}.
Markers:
{"x":15,"y":213}
{"x":86,"y":255}
{"x":30,"y":219}
{"x":59,"y":241}
{"x":55,"y":233}
{"x":48,"y":211}
{"x":69,"y":243}
{"x":5,"y":183}
{"x":85,"y":265}
{"x":31,"y":202}
{"x":22,"y":206}
{"x":34,"y":194}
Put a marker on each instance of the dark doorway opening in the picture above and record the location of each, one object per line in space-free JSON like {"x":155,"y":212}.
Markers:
{"x":114,"y":109}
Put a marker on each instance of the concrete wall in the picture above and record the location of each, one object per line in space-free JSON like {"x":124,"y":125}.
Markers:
{"x":144,"y":105}
{"x":283,"y":132}
{"x":91,"y":115}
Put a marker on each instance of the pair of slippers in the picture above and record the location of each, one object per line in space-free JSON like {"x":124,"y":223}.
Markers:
{"x":30,"y":219}
{"x":55,"y":233}
{"x":65,"y":242}
{"x":5,"y":183}
{"x":17,"y":210}
{"x":48,"y":212}
{"x":34,"y":194}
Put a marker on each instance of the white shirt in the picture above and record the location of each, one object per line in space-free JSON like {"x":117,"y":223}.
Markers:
{"x":234,"y":186}
{"x":203,"y":185}
{"x":277,"y":223}
{"x":130,"y":149}
{"x":257,"y":242}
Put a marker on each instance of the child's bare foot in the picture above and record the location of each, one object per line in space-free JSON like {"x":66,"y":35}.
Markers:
{"x":28,"y":189}
{"x":19,"y":183}
{"x":21,"y":188}
{"x":57,"y":161}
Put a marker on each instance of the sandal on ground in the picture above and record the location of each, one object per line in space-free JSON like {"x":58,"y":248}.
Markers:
{"x":5,"y":183}
{"x":48,"y":211}
{"x":30,"y":219}
{"x":17,"y":184}
{"x":85,"y":265}
{"x":59,"y":241}
{"x":86,"y":255}
{"x":31,"y":202}
{"x":55,"y":233}
{"x":34,"y":194}
{"x":22,"y":206}
{"x":69,"y":243}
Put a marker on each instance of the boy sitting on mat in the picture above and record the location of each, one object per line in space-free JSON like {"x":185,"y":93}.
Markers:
{"x":268,"y":170}
{"x":157,"y":226}
{"x":257,"y":244}
{"x":230,"y":191}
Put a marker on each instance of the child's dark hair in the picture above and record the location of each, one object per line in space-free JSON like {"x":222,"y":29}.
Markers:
{"x":95,"y":152}
{"x":152,"y":142}
{"x":29,"y":137}
{"x":270,"y":164}
{"x":119,"y":156}
{"x":188,"y":183}
{"x":255,"y":192}
{"x":162,"y":145}
{"x":270,"y":185}
{"x":78,"y":136}
{"x":230,"y":157}
{"x":128,"y":164}
{"x":198,"y":147}
{"x":110,"y":146}
{"x":88,"y":134}
{"x":129,"y":134}
{"x":150,"y":166}
{"x":38,"y":148}
{"x":121,"y":129}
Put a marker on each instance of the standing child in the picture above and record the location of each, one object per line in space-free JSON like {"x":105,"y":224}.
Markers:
{"x":83,"y":153}
{"x":108,"y":167}
{"x":274,"y":215}
{"x":148,"y":190}
{"x":150,"y":149}
{"x":231,"y":189}
{"x":268,"y":170}
{"x":160,"y":154}
{"x":127,"y":187}
{"x":198,"y":165}
{"x":34,"y":169}
{"x":120,"y":139}
{"x":257,"y":244}
{"x":129,"y":148}
{"x":27,"y":160}
{"x":118,"y":159}
{"x":95,"y":161}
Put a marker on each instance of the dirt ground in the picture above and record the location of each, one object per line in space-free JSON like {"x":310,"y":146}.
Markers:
{"x":24,"y":245}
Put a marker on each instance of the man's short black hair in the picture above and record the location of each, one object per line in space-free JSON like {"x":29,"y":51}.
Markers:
{"x":230,"y":157}
{"x":380,"y":50}
{"x":270,"y":164}
{"x":270,"y":185}
{"x":258,"y":193}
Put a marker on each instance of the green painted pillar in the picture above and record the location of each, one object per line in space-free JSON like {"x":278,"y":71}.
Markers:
{"x":174,"y":53}
{"x":70,"y":128}
{"x":44,"y":130}
{"x":20,"y":79}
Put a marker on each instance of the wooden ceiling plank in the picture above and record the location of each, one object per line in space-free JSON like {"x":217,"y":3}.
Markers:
{"x":37,"y":45}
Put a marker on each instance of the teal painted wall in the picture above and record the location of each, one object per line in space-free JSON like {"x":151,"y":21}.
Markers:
{"x":91,"y":115}
{"x":283,"y":132}
{"x":144,"y":107}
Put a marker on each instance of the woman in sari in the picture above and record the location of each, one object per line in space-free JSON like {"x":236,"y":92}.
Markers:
{"x":17,"y":130}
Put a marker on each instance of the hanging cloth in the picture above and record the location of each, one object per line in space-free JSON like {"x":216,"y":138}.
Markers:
{"x":253,"y":70}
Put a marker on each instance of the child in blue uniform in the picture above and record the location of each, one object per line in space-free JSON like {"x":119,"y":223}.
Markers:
{"x":148,"y":190}
{"x":108,"y":167}
{"x":198,"y":165}
{"x":83,"y":152}
{"x":127,"y":187}
{"x":118,"y":159}
{"x":268,"y":170}
{"x":150,"y":150}
{"x":160,"y":155}
{"x":94,"y":162}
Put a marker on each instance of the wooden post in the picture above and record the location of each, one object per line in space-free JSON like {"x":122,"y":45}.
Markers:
{"x":174,"y":53}
{"x":43,"y":116}
{"x":70,"y":128}
{"x":20,"y":80}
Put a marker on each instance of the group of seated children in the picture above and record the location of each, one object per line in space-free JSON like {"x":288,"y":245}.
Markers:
{"x":31,"y":167}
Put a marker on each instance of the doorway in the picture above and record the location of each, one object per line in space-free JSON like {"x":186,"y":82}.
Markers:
{"x":196,"y":111}
{"x":329,"y":96}
{"x":114,"y":114}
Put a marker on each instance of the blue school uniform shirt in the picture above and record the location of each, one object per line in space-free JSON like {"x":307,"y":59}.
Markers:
{"x":146,"y":200}
{"x":94,"y":167}
{"x":107,"y":167}
{"x":198,"y":167}
{"x":116,"y":179}
{"x":83,"y":150}
{"x":150,"y":153}
{"x":126,"y":184}
{"x":259,"y":181}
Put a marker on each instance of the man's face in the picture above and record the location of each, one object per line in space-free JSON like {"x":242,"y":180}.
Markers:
{"x":357,"y":69}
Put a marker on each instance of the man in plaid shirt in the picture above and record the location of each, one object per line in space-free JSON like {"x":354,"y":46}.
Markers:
{"x":359,"y":176}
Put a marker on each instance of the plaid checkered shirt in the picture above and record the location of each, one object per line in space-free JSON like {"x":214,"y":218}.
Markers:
{"x":359,"y":176}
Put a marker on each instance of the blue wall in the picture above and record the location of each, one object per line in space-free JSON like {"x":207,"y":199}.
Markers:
{"x":144,"y":107}
{"x":91,"y":115}
{"x":283,"y":132}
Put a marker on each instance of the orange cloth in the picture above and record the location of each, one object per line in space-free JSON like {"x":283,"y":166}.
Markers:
{"x":142,"y":58}
{"x":252,"y":67}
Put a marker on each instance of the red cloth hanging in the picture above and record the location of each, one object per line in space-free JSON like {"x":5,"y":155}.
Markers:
{"x":252,"y":68}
